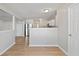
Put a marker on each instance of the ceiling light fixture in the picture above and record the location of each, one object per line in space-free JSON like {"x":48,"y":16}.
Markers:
{"x":46,"y":10}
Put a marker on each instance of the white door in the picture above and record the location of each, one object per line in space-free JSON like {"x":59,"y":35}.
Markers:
{"x":73,"y":46}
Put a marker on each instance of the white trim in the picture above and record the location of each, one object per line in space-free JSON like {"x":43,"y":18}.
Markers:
{"x":36,"y":46}
{"x":69,"y":29}
{"x":43,"y":45}
{"x":63,"y":50}
{"x":20,"y":35}
{"x":50,"y":46}
{"x":7,"y":48}
{"x":13,"y":25}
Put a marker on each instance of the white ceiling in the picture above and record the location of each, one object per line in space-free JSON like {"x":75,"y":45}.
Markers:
{"x":32,"y":10}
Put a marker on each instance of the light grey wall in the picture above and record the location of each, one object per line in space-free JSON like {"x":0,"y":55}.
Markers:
{"x":62,"y":23}
{"x":5,"y":16}
{"x":7,"y":38}
{"x":5,"y":25}
{"x":5,"y":20}
{"x":7,"y":33}
{"x":19,"y":28}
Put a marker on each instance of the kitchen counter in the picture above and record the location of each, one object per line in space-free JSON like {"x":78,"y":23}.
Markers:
{"x":43,"y":37}
{"x":46,"y":27}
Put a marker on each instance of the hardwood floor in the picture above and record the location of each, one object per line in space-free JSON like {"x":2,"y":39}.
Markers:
{"x":21,"y":49}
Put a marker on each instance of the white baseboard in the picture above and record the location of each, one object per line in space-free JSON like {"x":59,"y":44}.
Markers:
{"x":7,"y":48}
{"x":36,"y":46}
{"x":43,"y":45}
{"x":50,"y":46}
{"x":63,"y":50}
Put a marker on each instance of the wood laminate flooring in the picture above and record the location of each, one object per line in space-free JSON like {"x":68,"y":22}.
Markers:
{"x":21,"y":49}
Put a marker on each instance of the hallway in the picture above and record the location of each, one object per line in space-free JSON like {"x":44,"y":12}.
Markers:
{"x":20,"y":49}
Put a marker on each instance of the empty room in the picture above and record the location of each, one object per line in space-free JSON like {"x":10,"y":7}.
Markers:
{"x":39,"y":29}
